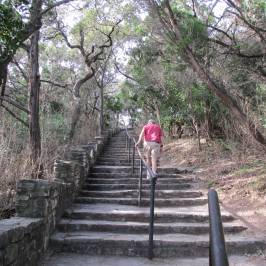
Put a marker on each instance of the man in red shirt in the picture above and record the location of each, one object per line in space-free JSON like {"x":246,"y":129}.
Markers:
{"x":153,"y":135}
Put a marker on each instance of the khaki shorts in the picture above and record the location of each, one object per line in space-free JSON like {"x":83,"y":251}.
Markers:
{"x":151,"y":149}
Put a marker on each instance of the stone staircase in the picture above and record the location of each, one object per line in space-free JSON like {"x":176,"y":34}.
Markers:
{"x":105,"y":219}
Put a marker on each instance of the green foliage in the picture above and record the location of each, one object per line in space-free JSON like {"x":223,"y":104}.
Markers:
{"x":161,"y":84}
{"x":54,"y":126}
{"x":114,"y":104}
{"x":192,"y":29}
{"x":12,"y":26}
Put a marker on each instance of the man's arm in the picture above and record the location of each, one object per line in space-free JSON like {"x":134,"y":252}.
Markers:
{"x":140,"y":137}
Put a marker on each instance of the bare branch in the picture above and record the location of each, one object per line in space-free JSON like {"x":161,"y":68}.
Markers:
{"x":15,"y":116}
{"x":64,"y":86}
{"x":124,"y":74}
{"x":14,"y":103}
{"x":60,"y":27}
{"x":222,"y":31}
{"x":234,"y":51}
{"x":108,"y":43}
{"x":25,"y":76}
{"x":55,"y":5}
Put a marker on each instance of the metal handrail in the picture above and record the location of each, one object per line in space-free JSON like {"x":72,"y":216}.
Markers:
{"x":152,"y":193}
{"x":217,"y":252}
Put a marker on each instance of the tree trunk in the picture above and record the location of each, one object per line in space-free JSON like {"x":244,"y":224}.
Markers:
{"x":101,"y":111}
{"x":117,"y":120}
{"x":74,"y":119}
{"x":34,"y":93}
{"x":157,"y":110}
{"x":219,"y":91}
{"x":208,"y":122}
{"x":3,"y":79}
{"x":197,"y":130}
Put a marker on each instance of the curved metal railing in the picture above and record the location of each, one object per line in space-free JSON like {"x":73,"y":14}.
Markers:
{"x":129,"y":141}
{"x":217,"y":252}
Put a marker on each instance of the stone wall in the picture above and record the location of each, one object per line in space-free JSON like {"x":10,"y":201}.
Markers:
{"x":41,"y":203}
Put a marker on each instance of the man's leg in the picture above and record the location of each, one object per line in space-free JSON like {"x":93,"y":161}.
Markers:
{"x":149,"y":163}
{"x":155,"y":153}
{"x":149,"y":160}
{"x":147,"y":151}
{"x":154,"y":162}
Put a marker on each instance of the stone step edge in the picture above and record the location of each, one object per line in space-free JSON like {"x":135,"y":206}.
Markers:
{"x":177,"y":238}
{"x":160,"y":224}
{"x":146,"y":199}
{"x":145,"y":191}
{"x":169,"y":179}
{"x":129,"y":216}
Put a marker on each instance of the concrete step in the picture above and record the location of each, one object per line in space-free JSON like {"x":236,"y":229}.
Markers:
{"x":115,"y":212}
{"x":116,"y":148}
{"x":68,"y":225}
{"x":145,"y":193}
{"x":136,"y":180}
{"x":117,"y":163}
{"x":127,"y":169}
{"x":119,"y":150}
{"x":70,"y":259}
{"x":105,"y":187}
{"x":165,"y":245}
{"x":116,"y":157}
{"x":112,"y":160}
{"x":129,"y":176}
{"x":144,"y":201}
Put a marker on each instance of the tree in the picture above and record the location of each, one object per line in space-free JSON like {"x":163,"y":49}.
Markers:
{"x":16,"y":31}
{"x":103,"y":78}
{"x":172,"y":24}
{"x":90,"y":56}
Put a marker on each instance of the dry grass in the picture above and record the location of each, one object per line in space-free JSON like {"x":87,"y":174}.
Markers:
{"x":220,"y":164}
{"x":237,"y":172}
{"x":15,"y":163}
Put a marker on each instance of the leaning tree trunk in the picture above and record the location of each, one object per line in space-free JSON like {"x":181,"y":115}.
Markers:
{"x":227,"y":99}
{"x":34,"y":93}
{"x":75,"y":119}
{"x":219,"y":91}
{"x":101,"y":111}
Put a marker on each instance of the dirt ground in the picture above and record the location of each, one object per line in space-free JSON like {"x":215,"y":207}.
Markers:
{"x":237,"y":173}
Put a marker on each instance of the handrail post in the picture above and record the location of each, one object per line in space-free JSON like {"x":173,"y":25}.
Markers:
{"x":129,"y":144}
{"x":217,"y":255}
{"x":126,"y":141}
{"x":133,"y":159}
{"x":140,"y":182}
{"x":151,"y":227}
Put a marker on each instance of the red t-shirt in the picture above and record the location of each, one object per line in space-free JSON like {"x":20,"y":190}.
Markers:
{"x":153,"y":132}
